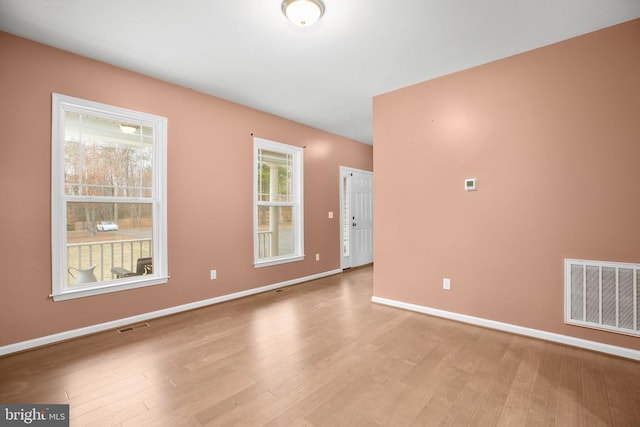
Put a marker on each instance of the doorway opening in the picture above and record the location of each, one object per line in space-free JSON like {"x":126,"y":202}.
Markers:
{"x":356,"y":217}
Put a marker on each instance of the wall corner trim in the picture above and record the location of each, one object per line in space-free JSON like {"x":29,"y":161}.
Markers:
{"x":75,"y":333}
{"x":514,"y":329}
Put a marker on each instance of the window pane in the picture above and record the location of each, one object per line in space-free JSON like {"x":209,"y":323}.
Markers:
{"x":107,"y":222}
{"x":103,"y":157}
{"x":264,"y":178}
{"x":278,"y":188}
{"x":275,"y":176}
{"x":108,"y":240}
{"x":275,"y":231}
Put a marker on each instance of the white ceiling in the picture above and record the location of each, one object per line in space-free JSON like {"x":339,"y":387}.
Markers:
{"x":324,"y":76}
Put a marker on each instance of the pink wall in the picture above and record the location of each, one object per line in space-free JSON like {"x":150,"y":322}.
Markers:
{"x":553,"y":137}
{"x":209,"y":189}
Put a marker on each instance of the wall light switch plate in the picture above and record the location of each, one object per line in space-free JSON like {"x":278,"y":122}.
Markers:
{"x":446,"y":284}
{"x":214,"y":275}
{"x":330,"y":215}
{"x":317,"y":257}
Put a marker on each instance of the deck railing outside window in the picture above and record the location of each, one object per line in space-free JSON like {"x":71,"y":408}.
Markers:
{"x":264,"y":244}
{"x":108,"y":254}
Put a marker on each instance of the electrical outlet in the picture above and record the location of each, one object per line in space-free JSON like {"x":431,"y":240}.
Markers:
{"x":214,"y":275}
{"x":446,"y":284}
{"x":317,"y":257}
{"x":330,"y":215}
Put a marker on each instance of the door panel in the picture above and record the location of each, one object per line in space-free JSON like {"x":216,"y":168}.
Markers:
{"x":356,"y":217}
{"x":361,"y":211}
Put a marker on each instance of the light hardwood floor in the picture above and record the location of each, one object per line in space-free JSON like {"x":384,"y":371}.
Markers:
{"x":321,"y":354}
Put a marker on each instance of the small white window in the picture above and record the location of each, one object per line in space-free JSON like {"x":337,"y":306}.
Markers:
{"x":108,"y":198}
{"x":278,"y":216}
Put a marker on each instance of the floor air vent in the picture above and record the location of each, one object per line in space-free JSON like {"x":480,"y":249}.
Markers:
{"x":603,"y":295}
{"x":132,"y":328}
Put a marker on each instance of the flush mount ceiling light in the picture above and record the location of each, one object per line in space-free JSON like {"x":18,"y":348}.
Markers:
{"x":303,"y":13}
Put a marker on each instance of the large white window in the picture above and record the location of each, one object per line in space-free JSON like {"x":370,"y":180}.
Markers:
{"x":278,"y":218}
{"x":108,"y":198}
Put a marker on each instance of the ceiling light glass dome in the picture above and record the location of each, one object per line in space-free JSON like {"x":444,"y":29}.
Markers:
{"x":303,"y":13}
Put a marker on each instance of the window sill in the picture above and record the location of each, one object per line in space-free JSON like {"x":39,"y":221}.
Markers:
{"x":276,"y":261}
{"x":107,"y":288}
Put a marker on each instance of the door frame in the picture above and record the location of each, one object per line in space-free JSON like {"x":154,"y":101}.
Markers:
{"x":345,"y":171}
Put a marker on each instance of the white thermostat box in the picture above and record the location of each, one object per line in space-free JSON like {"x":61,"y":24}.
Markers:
{"x":471,"y":184}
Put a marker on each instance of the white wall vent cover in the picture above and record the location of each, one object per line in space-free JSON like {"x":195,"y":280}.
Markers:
{"x":602,"y":295}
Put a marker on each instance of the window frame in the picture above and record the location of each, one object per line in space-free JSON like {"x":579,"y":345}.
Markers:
{"x":158,"y":200}
{"x":297,"y":205}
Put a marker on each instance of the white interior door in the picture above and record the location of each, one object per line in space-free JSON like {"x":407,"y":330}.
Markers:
{"x":356,"y":217}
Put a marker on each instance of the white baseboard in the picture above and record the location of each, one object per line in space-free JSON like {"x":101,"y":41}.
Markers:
{"x":520,"y":330}
{"x":75,"y":333}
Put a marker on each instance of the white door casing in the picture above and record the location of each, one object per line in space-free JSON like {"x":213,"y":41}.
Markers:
{"x":356,"y":217}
